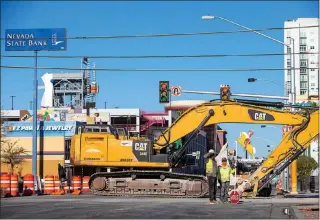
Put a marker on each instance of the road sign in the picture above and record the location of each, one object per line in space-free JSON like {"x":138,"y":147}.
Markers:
{"x":176,"y":90}
{"x":36,"y":39}
{"x":234,"y":197}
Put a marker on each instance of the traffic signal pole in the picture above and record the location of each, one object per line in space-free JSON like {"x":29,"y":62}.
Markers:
{"x":238,"y":94}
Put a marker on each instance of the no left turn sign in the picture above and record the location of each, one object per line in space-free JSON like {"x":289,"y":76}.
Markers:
{"x":176,"y":91}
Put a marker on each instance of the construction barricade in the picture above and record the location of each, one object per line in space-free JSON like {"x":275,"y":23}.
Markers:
{"x":28,"y":185}
{"x":85,"y":184}
{"x":56,"y":184}
{"x":66,"y":187}
{"x":76,"y":184}
{"x":5,"y":185}
{"x":49,"y":187}
{"x":14,"y":185}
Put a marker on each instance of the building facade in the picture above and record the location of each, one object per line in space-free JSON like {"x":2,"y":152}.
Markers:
{"x":53,"y":144}
{"x":306,"y":48}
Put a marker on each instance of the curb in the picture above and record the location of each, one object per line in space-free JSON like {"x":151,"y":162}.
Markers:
{"x":296,"y":214}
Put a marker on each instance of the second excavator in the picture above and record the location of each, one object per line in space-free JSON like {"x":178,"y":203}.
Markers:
{"x":143,"y":167}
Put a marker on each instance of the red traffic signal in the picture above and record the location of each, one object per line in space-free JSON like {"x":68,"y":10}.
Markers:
{"x":164,"y":91}
{"x":225,"y":92}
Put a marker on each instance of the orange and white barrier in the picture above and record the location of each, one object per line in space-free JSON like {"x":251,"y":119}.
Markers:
{"x":28,"y":185}
{"x":56,"y":184}
{"x":66,"y":187}
{"x":5,"y":184}
{"x":49,"y":184}
{"x":85,"y":184}
{"x":14,"y":185}
{"x":76,"y":182}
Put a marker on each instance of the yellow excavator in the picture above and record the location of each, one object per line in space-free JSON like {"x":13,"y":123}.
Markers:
{"x":141,"y":167}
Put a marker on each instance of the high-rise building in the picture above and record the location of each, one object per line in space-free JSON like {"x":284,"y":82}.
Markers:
{"x":306,"y":49}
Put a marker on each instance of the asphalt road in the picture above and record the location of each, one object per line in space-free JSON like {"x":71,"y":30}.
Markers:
{"x":94,"y":207}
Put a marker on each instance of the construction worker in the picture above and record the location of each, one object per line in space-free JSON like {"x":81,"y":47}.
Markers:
{"x":223,"y":176}
{"x":211,"y":172}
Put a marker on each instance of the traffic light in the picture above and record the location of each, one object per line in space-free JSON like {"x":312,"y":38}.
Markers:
{"x":225,"y":92}
{"x":164,"y":91}
{"x":252,"y":79}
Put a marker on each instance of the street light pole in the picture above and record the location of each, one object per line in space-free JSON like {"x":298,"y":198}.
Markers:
{"x":12,"y":96}
{"x":235,"y":173}
{"x":259,"y":79}
{"x":269,"y":126}
{"x":265,"y":139}
{"x":293,"y":73}
{"x":105,"y":105}
{"x":210,"y":17}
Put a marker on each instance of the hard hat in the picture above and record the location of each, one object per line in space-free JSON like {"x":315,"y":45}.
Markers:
{"x":211,"y":151}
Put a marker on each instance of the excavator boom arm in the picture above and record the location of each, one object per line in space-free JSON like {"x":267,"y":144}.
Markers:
{"x":225,"y":112}
{"x":293,"y":144}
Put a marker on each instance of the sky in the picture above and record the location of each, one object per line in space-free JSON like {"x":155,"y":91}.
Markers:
{"x":140,"y":89}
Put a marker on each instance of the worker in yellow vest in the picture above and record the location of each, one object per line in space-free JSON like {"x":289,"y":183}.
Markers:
{"x":211,"y":173}
{"x":223,"y":175}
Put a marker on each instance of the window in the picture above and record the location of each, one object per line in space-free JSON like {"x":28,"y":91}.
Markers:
{"x":303,"y":63}
{"x":303,"y":70}
{"x":303,"y":92}
{"x":311,"y":47}
{"x":311,"y":40}
{"x":303,"y":41}
{"x":303,"y":85}
{"x":312,"y":69}
{"x":303,"y":34}
{"x":288,"y":63}
{"x":303,"y":48}
{"x":303,"y":77}
{"x":313,"y":84}
{"x":313,"y":76}
{"x":288,"y":50}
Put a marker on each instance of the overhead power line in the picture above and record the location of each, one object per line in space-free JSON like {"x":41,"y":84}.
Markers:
{"x":149,"y":70}
{"x":172,"y":35}
{"x":154,"y":56}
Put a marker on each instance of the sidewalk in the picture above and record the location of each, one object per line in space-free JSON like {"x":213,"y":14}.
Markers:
{"x":305,"y":212}
{"x":302,"y":195}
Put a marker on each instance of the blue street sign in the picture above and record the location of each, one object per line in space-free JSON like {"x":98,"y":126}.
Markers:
{"x":36,"y":39}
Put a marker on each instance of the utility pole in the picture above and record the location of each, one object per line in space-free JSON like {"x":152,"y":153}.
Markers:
{"x":12,"y":96}
{"x":105,"y":105}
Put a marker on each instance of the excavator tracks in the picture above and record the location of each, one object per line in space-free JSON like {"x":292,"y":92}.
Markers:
{"x":148,"y":183}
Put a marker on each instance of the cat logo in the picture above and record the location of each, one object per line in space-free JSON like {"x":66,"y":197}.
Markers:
{"x":259,"y":116}
{"x":140,"y":146}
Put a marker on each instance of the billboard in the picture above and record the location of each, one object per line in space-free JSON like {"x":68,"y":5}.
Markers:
{"x":42,"y":115}
{"x":53,"y":39}
{"x":245,"y":142}
{"x":50,"y":128}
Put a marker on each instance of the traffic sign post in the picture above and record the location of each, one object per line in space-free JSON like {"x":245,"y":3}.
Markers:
{"x":51,"y":39}
{"x":234,"y":197}
{"x":176,"y":91}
